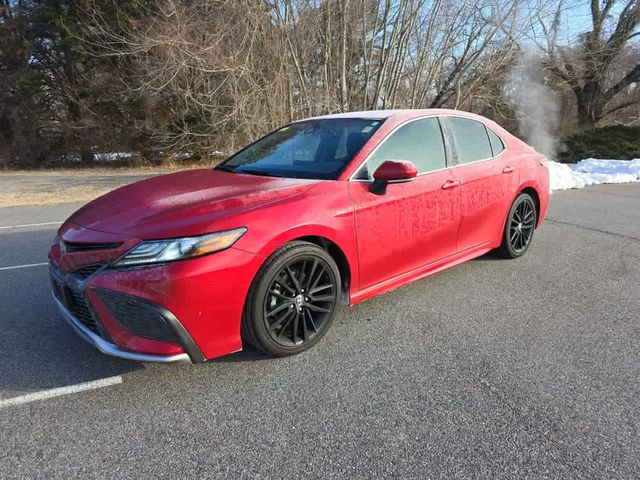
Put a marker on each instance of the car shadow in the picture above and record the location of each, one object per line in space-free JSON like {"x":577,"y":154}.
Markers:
{"x":492,"y":255}
{"x":247,"y":354}
{"x":53,"y":356}
{"x":39,"y":350}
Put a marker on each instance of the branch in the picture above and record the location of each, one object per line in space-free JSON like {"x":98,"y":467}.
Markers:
{"x":618,"y":107}
{"x":628,"y":21}
{"x":631,"y":77}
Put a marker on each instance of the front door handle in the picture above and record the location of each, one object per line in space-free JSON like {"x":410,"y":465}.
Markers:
{"x":508,"y":169}
{"x":451,"y":184}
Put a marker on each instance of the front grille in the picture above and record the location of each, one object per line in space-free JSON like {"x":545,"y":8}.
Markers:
{"x":138,"y":317}
{"x":85,"y":272}
{"x":87,"y":247}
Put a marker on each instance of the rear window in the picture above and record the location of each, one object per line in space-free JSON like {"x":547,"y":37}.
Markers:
{"x":471,"y":139}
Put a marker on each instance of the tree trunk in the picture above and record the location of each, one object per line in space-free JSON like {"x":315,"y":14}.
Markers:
{"x":590,"y":104}
{"x":344,"y":100}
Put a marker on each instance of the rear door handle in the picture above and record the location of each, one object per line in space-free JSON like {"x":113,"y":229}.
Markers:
{"x":451,"y":184}
{"x":508,"y":169}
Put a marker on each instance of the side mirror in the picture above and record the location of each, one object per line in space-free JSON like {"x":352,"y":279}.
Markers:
{"x":392,"y":171}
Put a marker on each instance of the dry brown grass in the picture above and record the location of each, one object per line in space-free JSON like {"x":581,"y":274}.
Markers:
{"x":43,"y":187}
{"x":75,"y":194}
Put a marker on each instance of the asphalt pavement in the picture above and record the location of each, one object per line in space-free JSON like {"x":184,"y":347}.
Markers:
{"x":528,"y":368}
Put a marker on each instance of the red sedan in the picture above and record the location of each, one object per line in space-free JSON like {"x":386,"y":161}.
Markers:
{"x":263,"y":248}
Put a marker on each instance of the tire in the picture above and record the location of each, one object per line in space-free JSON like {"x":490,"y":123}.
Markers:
{"x":519,"y":228}
{"x":292,"y":300}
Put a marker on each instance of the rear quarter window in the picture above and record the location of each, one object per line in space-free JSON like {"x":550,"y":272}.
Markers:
{"x":496,"y":143}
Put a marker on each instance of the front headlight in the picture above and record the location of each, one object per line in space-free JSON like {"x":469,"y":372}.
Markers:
{"x":160,"y":251}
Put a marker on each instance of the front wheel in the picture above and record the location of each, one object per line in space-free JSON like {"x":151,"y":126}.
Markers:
{"x":292,"y":300}
{"x":520,"y":226}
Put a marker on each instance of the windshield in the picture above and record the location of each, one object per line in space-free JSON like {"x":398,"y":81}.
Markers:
{"x":318,"y":149}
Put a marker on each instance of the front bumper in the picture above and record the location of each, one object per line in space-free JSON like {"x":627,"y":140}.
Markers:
{"x":119,"y":324}
{"x":197,"y":302}
{"x":111,"y":349}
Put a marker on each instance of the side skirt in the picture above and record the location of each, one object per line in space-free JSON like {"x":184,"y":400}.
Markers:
{"x":420,"y":272}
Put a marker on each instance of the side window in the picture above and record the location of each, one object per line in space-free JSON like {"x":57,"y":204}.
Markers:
{"x":471,"y":139}
{"x":419,"y":141}
{"x":496,"y":144}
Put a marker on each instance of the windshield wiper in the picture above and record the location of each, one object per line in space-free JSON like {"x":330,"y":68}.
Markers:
{"x":225,"y":168}
{"x":262,"y":173}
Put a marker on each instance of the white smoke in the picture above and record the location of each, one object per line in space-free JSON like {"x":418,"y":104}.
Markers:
{"x":536,"y":106}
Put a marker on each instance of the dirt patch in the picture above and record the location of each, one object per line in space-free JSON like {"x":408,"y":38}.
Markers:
{"x":60,"y":186}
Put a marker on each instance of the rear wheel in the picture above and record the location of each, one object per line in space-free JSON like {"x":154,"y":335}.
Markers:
{"x":520,"y":227}
{"x":292,"y":300}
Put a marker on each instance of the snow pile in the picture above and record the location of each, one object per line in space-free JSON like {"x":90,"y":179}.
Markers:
{"x":609,"y":171}
{"x":591,"y":172}
{"x":561,"y":177}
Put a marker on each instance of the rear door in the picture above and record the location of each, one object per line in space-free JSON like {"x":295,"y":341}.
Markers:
{"x":488,"y":181}
{"x":414,"y":223}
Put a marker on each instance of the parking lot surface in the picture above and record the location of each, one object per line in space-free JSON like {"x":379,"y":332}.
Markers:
{"x":492,"y":369}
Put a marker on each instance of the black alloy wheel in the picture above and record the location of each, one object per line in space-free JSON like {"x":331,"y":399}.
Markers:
{"x":299,"y":301}
{"x":520,"y":227}
{"x":293,"y":300}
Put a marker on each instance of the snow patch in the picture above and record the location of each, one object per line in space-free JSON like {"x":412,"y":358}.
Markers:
{"x":111,"y":156}
{"x":592,"y":171}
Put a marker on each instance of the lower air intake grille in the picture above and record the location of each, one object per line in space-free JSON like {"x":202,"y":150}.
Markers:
{"x":80,"y":309}
{"x":138,"y":317}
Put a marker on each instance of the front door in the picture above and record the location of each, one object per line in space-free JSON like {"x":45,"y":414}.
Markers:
{"x":414,"y":223}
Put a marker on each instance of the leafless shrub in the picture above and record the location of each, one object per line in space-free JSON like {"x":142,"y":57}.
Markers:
{"x":217,"y":72}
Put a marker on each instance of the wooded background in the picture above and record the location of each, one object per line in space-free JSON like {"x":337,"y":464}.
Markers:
{"x":169,"y":79}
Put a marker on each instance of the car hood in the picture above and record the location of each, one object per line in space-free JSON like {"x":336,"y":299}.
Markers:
{"x":182,"y":204}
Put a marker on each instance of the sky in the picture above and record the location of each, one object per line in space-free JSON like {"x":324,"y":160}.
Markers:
{"x":576,"y":17}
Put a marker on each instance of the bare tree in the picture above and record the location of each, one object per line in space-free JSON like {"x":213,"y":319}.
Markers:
{"x":385,"y":54}
{"x":594,"y":71}
{"x":216,"y":73}
{"x":208,"y":68}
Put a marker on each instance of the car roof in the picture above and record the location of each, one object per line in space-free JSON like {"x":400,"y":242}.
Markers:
{"x":369,"y":114}
{"x":384,"y":114}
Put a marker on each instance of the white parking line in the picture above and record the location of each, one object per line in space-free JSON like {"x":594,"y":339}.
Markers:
{"x":58,"y":392}
{"x":15,"y":267}
{"x":30,"y":225}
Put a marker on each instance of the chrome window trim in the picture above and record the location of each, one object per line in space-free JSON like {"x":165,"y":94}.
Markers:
{"x":352,"y":179}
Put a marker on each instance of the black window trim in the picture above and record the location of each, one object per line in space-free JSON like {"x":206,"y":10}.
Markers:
{"x":448,"y":158}
{"x":504,"y":145}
